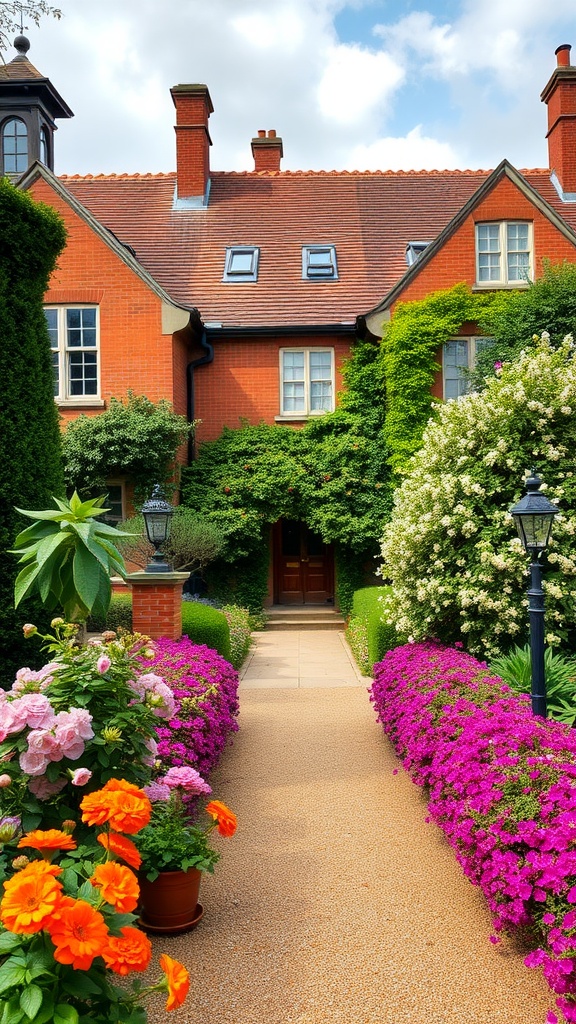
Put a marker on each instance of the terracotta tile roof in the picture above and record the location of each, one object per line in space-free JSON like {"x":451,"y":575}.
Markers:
{"x":19,"y":70}
{"x":368,"y":216}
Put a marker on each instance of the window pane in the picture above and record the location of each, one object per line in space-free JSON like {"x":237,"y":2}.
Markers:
{"x":293,"y":366}
{"x":294,"y":397}
{"x":240,"y":263}
{"x":15,"y":147}
{"x":320,"y":365}
{"x":114,"y":504}
{"x":321,"y":396}
{"x":82,"y":373}
{"x":81,"y":328}
{"x":517,"y":236}
{"x":455,"y":363}
{"x":518,"y":266}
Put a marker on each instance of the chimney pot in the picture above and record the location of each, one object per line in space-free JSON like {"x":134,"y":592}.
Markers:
{"x":272,"y":133}
{"x":563,"y":55}
{"x":261,"y":133}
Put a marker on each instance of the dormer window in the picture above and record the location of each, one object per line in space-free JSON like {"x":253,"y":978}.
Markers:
{"x":319,"y":261}
{"x":414,"y":250}
{"x":241,"y":263}
{"x":14,"y":147}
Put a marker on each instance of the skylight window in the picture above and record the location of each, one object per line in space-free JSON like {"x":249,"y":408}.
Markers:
{"x":319,"y":261}
{"x":414,"y":250}
{"x":241,"y":263}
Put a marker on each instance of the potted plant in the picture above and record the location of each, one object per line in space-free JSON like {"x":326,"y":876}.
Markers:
{"x":175,"y":850}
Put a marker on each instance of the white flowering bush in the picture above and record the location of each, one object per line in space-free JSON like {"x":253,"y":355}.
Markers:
{"x":458,"y":570}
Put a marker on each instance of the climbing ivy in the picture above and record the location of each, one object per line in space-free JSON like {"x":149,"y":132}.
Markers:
{"x":332,"y":474}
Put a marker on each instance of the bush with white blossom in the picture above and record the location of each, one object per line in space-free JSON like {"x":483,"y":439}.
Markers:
{"x":458,"y":570}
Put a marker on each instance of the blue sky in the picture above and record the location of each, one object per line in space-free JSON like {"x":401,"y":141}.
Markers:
{"x":347,"y":84}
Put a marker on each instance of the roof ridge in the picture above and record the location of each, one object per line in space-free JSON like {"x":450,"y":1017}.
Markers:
{"x":115,"y":176}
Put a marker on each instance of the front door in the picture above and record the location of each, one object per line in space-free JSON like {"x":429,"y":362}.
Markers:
{"x":304,"y":565}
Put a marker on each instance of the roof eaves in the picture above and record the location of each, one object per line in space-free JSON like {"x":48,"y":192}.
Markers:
{"x":504,"y":169}
{"x":37,"y":169}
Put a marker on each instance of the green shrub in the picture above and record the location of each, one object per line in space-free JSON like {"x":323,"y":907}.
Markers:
{"x":369,"y":633}
{"x":515,"y":669}
{"x":239,"y":622}
{"x":206,"y":625}
{"x":119,"y":615}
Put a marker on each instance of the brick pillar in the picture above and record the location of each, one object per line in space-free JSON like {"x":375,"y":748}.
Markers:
{"x":157,"y":603}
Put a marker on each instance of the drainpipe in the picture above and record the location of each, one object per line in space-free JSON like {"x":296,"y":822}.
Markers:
{"x":200,"y":361}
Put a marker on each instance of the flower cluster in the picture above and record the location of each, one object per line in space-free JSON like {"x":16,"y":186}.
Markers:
{"x":174,"y":841}
{"x":59,"y":920}
{"x":450,"y":549}
{"x":502,"y":786}
{"x":205,"y":688}
{"x":89,"y":714}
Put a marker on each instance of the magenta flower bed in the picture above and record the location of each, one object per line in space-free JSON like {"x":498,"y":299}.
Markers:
{"x":205,"y":687}
{"x":502,"y":786}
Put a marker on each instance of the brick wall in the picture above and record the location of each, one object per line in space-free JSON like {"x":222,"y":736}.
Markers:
{"x":157,"y":607}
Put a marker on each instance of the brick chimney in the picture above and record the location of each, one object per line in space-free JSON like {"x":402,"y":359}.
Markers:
{"x":560,"y":98}
{"x":193,"y":109}
{"x":267,"y":151}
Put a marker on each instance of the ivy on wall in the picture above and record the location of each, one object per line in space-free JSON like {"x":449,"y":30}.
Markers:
{"x":332,"y":474}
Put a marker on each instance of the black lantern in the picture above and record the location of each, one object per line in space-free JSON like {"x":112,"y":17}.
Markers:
{"x":157,"y":513}
{"x":534,"y":516}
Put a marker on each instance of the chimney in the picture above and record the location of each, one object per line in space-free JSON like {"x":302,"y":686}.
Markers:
{"x":267,"y":151}
{"x":193,"y":109}
{"x":560,"y":97}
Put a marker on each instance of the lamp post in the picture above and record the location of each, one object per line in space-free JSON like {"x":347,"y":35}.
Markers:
{"x":157,"y":513}
{"x":534,"y":516}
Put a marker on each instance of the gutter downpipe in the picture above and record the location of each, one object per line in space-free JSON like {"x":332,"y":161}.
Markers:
{"x":208,"y":357}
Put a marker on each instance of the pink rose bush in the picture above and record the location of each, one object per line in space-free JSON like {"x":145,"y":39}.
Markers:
{"x":502,"y":787}
{"x":89,"y":715}
{"x":205,"y":689}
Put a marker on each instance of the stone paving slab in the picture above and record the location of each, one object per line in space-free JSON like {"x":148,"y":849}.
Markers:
{"x":292,"y":659}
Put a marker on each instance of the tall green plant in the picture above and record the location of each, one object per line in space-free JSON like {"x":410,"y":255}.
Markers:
{"x":68,"y":558}
{"x":30,"y":464}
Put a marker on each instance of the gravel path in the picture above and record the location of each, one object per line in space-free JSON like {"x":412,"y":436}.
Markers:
{"x":335,"y":903}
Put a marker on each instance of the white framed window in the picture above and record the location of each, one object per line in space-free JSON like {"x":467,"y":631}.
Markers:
{"x":458,"y":358}
{"x":319,"y":262}
{"x":14,"y":146}
{"x":504,"y":253}
{"x":306,"y":381}
{"x":241,"y":263}
{"x":73,"y":332}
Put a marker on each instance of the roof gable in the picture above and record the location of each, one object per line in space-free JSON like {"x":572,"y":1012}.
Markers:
{"x":373,"y":317}
{"x":106,"y":235}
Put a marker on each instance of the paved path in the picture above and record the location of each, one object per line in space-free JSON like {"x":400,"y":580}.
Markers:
{"x":336,"y":903}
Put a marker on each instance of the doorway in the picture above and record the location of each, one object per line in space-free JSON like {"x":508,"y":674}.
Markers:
{"x":303,"y":565}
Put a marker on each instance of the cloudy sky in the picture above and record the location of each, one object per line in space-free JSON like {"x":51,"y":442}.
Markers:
{"x":347,"y":84}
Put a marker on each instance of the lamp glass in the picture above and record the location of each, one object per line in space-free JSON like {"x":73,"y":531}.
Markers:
{"x":534,"y":529}
{"x":157,"y":526}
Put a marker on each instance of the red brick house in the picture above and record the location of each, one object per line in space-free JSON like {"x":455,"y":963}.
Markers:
{"x":238,"y":295}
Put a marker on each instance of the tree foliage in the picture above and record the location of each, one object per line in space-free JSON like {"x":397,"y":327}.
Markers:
{"x":457,"y":569}
{"x":193,"y":542}
{"x":137,"y":439}
{"x":30,"y":467}
{"x":13,"y":16}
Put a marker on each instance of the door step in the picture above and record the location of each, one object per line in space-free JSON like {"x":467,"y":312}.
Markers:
{"x":304,"y":617}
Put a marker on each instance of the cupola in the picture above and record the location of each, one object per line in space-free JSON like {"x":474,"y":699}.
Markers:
{"x":29,"y":106}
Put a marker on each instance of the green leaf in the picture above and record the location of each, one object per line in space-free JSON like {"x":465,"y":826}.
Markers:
{"x":31,"y":1000}
{"x":82,"y":986}
{"x":86,"y":576}
{"x":11,"y":974}
{"x":65,"y":1014}
{"x":24,"y":582}
{"x":8,"y":941}
{"x":12,"y":1012}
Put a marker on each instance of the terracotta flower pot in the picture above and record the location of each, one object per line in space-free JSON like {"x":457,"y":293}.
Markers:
{"x":170,"y":904}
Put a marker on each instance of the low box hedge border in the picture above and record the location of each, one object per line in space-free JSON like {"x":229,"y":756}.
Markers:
{"x":502,"y":787}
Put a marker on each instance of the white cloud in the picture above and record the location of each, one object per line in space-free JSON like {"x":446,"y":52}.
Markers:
{"x":355,"y":81}
{"x":414,"y":152}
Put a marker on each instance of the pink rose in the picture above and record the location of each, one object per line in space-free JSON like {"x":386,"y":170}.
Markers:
{"x":42,"y":741}
{"x":9,"y":722}
{"x":5,"y":780}
{"x":37,"y":709}
{"x":81,"y":776}
{"x":81,"y":721}
{"x":103,"y":664}
{"x":186,"y":778}
{"x":33,"y":763}
{"x":43,"y":789}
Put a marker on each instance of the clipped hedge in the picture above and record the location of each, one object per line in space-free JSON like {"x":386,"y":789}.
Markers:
{"x":205,"y":687}
{"x":205,"y":625}
{"x":118,"y":616}
{"x":369,"y":634}
{"x":502,"y":787}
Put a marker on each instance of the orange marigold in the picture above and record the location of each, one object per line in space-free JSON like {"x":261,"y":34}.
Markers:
{"x":177,"y":981}
{"x":118,"y":885}
{"x":125,"y":807}
{"x":131,"y":951}
{"x":79,"y":935}
{"x":31,"y":898}
{"x":48,"y":842}
{"x":225,"y":818}
{"x":121,"y":846}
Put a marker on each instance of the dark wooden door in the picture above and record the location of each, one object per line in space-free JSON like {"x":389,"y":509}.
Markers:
{"x":304,"y":565}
